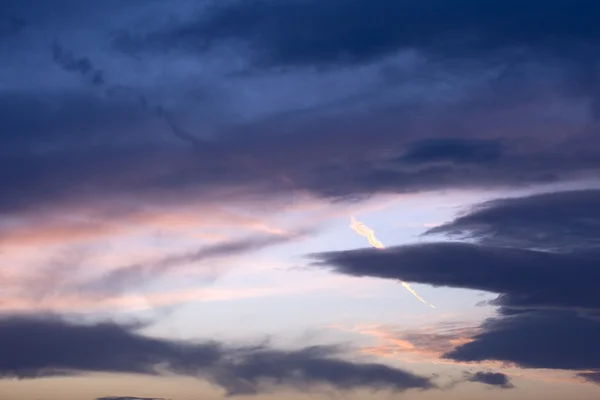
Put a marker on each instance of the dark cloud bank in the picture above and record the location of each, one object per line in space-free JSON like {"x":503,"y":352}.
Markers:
{"x":105,"y":140}
{"x":563,"y":221}
{"x":45,"y":346}
{"x":310,"y":32}
{"x":549,"y":315}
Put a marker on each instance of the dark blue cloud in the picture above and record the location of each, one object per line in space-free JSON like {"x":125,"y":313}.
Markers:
{"x":523,"y":278}
{"x":76,"y":147}
{"x":108,"y":140}
{"x":309,"y":32}
{"x":81,"y":65}
{"x":590,"y":376}
{"x":73,"y":131}
{"x":50,"y":344}
{"x":504,"y":259}
{"x":560,"y":221}
{"x":490,"y":378}
{"x":537,"y":339}
{"x":549,"y":302}
{"x":549,"y":315}
{"x":38,"y":347}
{"x":455,"y":150}
{"x":11,"y":25}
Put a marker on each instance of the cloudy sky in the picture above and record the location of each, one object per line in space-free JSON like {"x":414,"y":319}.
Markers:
{"x":178,"y":180}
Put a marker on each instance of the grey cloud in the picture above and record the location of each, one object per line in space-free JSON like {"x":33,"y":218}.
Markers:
{"x":542,"y":296}
{"x":131,"y":145}
{"x":84,"y":67}
{"x":510,"y":255}
{"x":536,"y":339}
{"x":51,"y":344}
{"x":81,"y":65}
{"x":558,"y":221}
{"x":310,"y":369}
{"x":129,"y":398}
{"x":11,"y":25}
{"x":69,"y":122}
{"x":523,"y":278}
{"x":490,"y":378}
{"x":62,"y":147}
{"x":466,"y":37}
{"x":308,"y":32}
{"x":109,"y":175}
{"x":456,"y":150}
{"x":47,"y":344}
{"x":549,"y":305}
{"x":593,"y":377}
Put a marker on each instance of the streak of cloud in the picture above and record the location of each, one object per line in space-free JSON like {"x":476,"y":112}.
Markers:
{"x":369,"y":233}
{"x":132,"y":276}
{"x":554,"y":221}
{"x":81,"y":65}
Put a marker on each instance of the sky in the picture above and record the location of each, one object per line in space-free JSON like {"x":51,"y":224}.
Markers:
{"x":221,"y":199}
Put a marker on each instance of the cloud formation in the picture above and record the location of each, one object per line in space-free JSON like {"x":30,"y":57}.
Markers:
{"x":81,"y":65}
{"x":523,"y":278}
{"x":541,"y":295}
{"x":453,"y":150}
{"x":41,"y":346}
{"x":593,"y":377}
{"x":127,"y":277}
{"x":536,"y":339}
{"x":490,"y":378}
{"x":556,"y":221}
{"x":549,"y":306}
{"x":99,"y":139}
{"x":308,"y":32}
{"x":473,"y":94}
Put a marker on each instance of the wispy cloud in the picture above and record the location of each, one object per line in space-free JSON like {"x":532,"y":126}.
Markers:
{"x":84,"y":302}
{"x":427,"y":344}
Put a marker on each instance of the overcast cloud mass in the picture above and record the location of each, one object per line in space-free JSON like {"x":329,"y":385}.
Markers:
{"x":196,"y":163}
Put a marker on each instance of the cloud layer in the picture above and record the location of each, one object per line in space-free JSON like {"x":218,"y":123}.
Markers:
{"x":308,"y":32}
{"x":44,"y":346}
{"x":549,"y":306}
{"x":115,"y":110}
{"x":564,"y":221}
{"x":102,"y":132}
{"x":523,"y":278}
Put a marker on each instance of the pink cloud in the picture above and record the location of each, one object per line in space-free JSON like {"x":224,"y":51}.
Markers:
{"x":204,"y":222}
{"x":82,"y":302}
